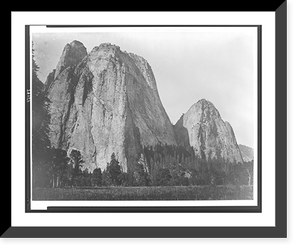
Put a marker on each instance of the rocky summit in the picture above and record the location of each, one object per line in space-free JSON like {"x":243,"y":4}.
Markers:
{"x":72,"y":54}
{"x":203,"y":128}
{"x":105,"y":101}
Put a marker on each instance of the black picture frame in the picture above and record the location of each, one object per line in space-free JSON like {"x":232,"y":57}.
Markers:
{"x":278,"y":231}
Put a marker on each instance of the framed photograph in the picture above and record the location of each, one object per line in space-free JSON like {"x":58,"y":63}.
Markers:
{"x":158,"y":128}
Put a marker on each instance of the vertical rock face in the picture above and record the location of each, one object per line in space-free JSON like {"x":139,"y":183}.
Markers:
{"x":203,"y":128}
{"x":72,"y":54}
{"x":104,"y":102}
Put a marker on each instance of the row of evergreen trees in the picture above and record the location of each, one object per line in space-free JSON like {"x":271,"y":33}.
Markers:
{"x":181,"y":166}
{"x":60,"y":170}
{"x":64,"y":171}
{"x":163,"y":165}
{"x":42,"y":154}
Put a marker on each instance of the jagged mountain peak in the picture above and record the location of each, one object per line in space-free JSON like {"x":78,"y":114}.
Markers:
{"x":205,"y":104}
{"x":105,"y":46}
{"x":203,"y":128}
{"x":204,"y":101}
{"x":72,"y":54}
{"x":203,"y":110}
{"x":76,"y":43}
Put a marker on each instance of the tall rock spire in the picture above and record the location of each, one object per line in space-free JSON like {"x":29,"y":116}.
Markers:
{"x":72,"y":54}
{"x":107,"y":102}
{"x":203,"y":128}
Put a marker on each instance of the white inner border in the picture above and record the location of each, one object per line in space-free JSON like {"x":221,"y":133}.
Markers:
{"x":266,"y":218}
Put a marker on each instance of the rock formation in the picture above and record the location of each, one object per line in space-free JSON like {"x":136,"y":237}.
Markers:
{"x":247,"y":153}
{"x":105,"y":101}
{"x":72,"y":54}
{"x":203,"y":128}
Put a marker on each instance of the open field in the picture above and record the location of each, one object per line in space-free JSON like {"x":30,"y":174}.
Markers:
{"x":146,"y":193}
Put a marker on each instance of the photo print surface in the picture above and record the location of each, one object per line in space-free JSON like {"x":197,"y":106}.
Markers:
{"x":144,"y":115}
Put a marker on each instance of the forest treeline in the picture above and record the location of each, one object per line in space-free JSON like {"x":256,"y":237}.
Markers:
{"x":160,"y":165}
{"x":59,"y":170}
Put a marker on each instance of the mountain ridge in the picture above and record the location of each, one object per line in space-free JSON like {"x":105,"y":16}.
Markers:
{"x":106,"y":101}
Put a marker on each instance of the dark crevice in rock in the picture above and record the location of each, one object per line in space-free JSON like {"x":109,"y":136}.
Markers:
{"x":87,"y":87}
{"x":181,"y":133}
{"x":72,"y":81}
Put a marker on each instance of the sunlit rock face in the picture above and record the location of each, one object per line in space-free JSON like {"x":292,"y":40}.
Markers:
{"x":203,"y":128}
{"x":105,"y":101}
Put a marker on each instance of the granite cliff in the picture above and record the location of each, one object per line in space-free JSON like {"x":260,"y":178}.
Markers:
{"x":247,"y":153}
{"x":203,"y":128}
{"x":105,"y":101}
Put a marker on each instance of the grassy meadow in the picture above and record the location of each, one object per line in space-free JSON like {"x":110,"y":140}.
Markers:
{"x":146,"y":193}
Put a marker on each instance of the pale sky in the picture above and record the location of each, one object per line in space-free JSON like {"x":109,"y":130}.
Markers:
{"x":218,"y":64}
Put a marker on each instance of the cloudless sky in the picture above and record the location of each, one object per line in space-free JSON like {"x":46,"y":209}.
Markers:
{"x":217,"y":64}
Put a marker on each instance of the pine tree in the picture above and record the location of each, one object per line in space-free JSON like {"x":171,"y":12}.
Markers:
{"x":114,"y":169}
{"x":141,"y":176}
{"x":58,"y":168}
{"x":96,"y":177}
{"x":78,"y":162}
{"x":41,"y":156}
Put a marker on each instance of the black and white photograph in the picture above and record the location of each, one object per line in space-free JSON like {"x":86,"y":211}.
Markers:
{"x":144,"y":114}
{"x":148,"y":125}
